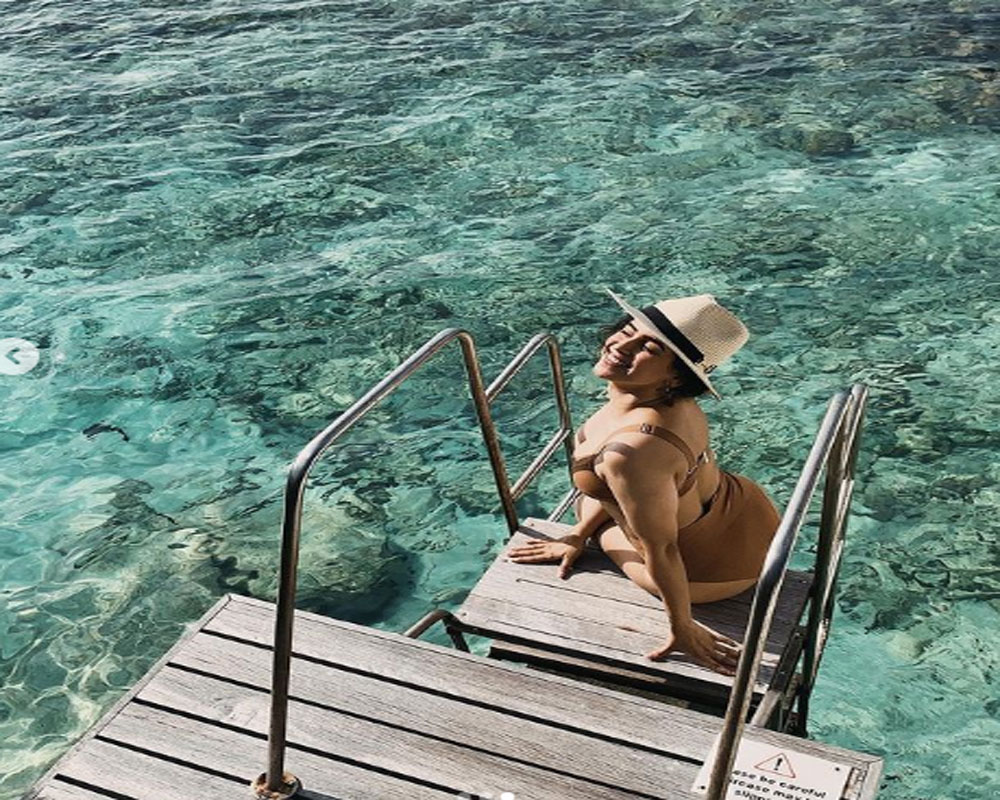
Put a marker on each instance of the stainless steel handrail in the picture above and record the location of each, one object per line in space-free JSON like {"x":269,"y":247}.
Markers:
{"x":564,"y":505}
{"x":838,"y":433}
{"x":826,"y":567}
{"x":275,"y":783}
{"x":829,"y":547}
{"x":561,"y":436}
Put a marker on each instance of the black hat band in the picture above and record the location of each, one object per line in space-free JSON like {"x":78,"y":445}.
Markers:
{"x":670,"y":331}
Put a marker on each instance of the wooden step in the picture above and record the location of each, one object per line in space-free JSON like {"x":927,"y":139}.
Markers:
{"x":598,"y":624}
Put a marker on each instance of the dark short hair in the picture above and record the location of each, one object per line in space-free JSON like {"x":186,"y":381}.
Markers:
{"x":690,"y":384}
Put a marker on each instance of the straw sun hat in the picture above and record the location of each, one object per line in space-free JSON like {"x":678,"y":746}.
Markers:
{"x":702,"y":333}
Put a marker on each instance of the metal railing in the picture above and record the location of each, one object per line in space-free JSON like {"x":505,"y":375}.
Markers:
{"x":561,"y":436}
{"x":835,"y":448}
{"x":275,"y":783}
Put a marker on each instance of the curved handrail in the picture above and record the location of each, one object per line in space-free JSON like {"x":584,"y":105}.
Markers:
{"x":829,"y":546}
{"x":561,"y":436}
{"x":839,"y":426}
{"x":275,"y":783}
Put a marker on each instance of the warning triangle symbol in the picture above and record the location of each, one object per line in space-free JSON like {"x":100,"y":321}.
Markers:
{"x":777,"y":764}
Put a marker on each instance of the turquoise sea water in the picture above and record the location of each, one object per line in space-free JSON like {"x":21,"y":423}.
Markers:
{"x":221,"y":221}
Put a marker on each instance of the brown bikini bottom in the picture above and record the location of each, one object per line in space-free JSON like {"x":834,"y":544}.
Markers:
{"x":730,"y":540}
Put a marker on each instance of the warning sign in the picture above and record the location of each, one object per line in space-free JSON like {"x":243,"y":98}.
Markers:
{"x":766,"y":772}
{"x":778,"y":764}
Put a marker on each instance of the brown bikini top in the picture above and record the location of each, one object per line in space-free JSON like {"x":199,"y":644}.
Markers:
{"x":585,"y":477}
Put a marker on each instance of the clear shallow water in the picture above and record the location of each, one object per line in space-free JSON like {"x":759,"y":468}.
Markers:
{"x":221,"y":222}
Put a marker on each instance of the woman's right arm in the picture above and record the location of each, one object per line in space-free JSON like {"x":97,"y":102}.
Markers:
{"x":649,"y":507}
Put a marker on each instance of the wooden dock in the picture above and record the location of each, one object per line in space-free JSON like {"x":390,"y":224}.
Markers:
{"x":378,"y":716}
{"x":598,"y":624}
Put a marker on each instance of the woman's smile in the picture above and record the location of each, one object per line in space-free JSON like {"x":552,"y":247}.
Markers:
{"x":616,"y":360}
{"x":629,"y":354}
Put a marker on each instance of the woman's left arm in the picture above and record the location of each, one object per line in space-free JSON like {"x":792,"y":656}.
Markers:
{"x":649,"y":506}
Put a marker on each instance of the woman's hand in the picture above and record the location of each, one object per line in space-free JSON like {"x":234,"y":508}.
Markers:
{"x":565,"y":550}
{"x":709,"y":648}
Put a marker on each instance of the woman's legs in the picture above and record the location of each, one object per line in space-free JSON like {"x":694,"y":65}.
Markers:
{"x":619,"y":549}
{"x":632,"y":562}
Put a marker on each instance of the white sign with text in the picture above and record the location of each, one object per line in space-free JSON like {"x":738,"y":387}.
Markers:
{"x":774,"y":772}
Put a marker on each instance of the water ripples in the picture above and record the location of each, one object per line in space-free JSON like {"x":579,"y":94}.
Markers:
{"x":221,"y":222}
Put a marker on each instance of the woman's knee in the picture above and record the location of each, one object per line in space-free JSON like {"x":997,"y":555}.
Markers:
{"x":616,"y":544}
{"x":628,"y":559}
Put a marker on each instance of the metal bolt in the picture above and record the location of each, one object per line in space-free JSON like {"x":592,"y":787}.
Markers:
{"x":290,"y":786}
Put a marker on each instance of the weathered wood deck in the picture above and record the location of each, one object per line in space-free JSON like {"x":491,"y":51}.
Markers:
{"x":375,"y":715}
{"x":599,"y":624}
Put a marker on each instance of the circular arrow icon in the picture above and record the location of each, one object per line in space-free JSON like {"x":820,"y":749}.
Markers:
{"x":17,"y":356}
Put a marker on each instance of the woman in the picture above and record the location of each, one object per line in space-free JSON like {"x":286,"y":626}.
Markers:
{"x":676,"y":524}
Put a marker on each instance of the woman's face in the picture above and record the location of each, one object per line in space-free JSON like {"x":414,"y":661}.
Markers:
{"x":631,"y":358}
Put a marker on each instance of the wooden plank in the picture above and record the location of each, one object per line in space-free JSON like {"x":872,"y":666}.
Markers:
{"x":597,"y":613}
{"x":399,"y":738}
{"x":597,"y":579}
{"x":542,"y":771}
{"x":586,"y":629}
{"x":57,"y":790}
{"x":106,"y":765}
{"x":665,"y":688}
{"x":595,"y":575}
{"x":606,"y":712}
{"x":582,"y":637}
{"x":352,"y":782}
{"x":233,"y":753}
{"x":592,"y":709}
{"x":127,"y":697}
{"x":490,"y":730}
{"x":581,"y":623}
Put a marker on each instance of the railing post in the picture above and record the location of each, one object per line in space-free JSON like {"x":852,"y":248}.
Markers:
{"x":832,"y":529}
{"x":765,"y":596}
{"x":562,"y":436}
{"x":489,"y":432}
{"x":276,"y":784}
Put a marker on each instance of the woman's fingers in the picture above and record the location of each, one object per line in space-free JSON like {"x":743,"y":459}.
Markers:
{"x":536,"y":545}
{"x":721,"y":656}
{"x":661,"y":652}
{"x":567,"y":563}
{"x":705,"y":646}
{"x":535,"y":551}
{"x":726,"y":664}
{"x":531,"y":556}
{"x":727,"y":648}
{"x":539,"y":551}
{"x":727,"y":651}
{"x":529,"y":547}
{"x":718,"y":661}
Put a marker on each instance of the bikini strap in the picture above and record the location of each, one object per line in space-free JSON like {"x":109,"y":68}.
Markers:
{"x":668,"y":436}
{"x":660,"y":433}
